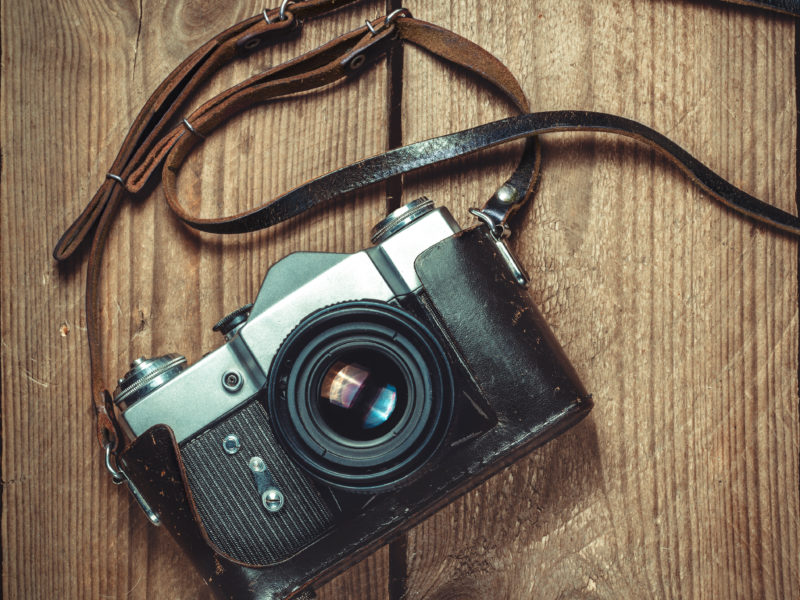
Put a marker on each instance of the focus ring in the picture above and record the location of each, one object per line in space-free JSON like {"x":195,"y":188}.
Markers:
{"x":409,"y":441}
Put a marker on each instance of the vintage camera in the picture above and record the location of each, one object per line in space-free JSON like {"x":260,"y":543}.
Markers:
{"x":357,"y":394}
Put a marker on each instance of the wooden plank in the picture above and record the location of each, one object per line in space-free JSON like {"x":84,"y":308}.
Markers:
{"x":75,"y":74}
{"x":680,"y":317}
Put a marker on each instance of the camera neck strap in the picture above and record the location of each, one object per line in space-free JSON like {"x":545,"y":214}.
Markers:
{"x":150,"y":139}
{"x":440,"y":149}
{"x":786,"y":7}
{"x":154,"y":140}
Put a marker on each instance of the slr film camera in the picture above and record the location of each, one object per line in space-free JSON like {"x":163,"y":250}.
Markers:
{"x":357,"y":395}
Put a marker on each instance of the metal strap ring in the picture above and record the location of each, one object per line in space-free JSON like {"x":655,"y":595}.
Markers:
{"x":192,"y":130}
{"x":388,"y":20}
{"x":116,"y":178}
{"x":116,"y":476}
{"x":404,"y":12}
{"x":284,"y":4}
{"x":266,"y":17}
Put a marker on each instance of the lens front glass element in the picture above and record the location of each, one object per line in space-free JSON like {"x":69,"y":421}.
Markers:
{"x":362,"y":396}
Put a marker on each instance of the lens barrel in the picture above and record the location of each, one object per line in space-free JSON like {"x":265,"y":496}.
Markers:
{"x":361,"y":395}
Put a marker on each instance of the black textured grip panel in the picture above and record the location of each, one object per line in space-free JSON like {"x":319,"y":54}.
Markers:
{"x":229,"y":504}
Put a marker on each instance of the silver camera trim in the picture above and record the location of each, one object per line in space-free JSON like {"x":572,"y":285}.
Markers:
{"x":294,"y":287}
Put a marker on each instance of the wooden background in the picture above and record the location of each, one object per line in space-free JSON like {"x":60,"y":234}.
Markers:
{"x":681,"y":317}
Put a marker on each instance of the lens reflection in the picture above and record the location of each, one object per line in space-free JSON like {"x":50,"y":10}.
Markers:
{"x":343,"y":383}
{"x":382,"y":408}
{"x":359,"y":401}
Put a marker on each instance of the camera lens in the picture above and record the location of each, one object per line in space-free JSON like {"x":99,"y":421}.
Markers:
{"x":361,"y":395}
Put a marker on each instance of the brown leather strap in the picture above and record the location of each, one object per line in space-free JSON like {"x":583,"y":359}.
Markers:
{"x":416,"y":156}
{"x":787,"y":7}
{"x":440,"y":42}
{"x":161,"y":108}
{"x":147,"y":143}
{"x":319,"y":67}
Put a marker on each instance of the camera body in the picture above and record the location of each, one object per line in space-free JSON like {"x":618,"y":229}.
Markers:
{"x":356,"y":396}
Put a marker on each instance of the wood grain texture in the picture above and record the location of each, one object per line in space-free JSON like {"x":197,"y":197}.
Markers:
{"x":68,"y":98}
{"x":681,"y":317}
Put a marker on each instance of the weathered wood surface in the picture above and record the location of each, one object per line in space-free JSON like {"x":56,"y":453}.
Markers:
{"x":681,"y":317}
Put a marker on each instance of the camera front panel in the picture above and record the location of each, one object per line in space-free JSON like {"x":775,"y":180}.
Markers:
{"x":218,"y":468}
{"x":334,"y":361}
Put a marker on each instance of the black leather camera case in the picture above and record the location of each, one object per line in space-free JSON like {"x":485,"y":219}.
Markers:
{"x":520,"y":369}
